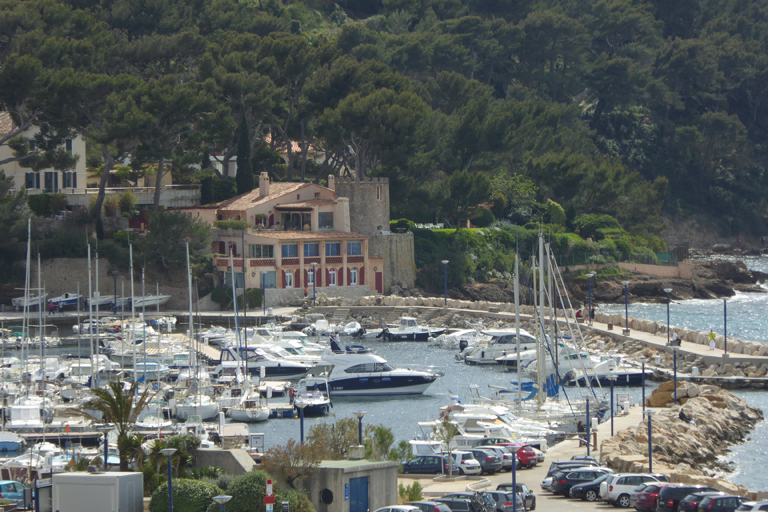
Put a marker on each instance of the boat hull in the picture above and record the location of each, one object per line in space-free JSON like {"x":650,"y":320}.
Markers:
{"x":280,"y":373}
{"x":630,"y":379}
{"x":206,"y":411}
{"x":249,"y":415}
{"x":380,"y":386}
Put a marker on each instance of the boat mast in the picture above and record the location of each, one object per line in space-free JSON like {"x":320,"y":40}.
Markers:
{"x":542,"y":292}
{"x":90,"y":314}
{"x":42,"y":325}
{"x":79,"y":354}
{"x":552,"y":305}
{"x":144,"y":330}
{"x":192,"y":331}
{"x":237,"y":317}
{"x":25,"y":322}
{"x":133,"y":317}
{"x":98,"y":326}
{"x":517,"y":330}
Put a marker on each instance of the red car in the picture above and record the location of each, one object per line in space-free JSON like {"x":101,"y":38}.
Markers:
{"x":525,"y":453}
{"x":649,"y":497}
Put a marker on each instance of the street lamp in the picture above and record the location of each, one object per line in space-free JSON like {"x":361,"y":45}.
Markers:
{"x":106,"y":429}
{"x":668,"y":291}
{"x":168,"y":452}
{"x":589,"y":312}
{"x":360,"y":415}
{"x":612,"y":378}
{"x":445,"y":281}
{"x":589,"y":440}
{"x":674,"y":371}
{"x":643,"y":360}
{"x":626,"y":307}
{"x":301,"y":407}
{"x":264,"y":291}
{"x":650,"y":413}
{"x":114,"y":275}
{"x":725,"y":324}
{"x":514,"y":449}
{"x":222,"y":499}
{"x":314,"y":284}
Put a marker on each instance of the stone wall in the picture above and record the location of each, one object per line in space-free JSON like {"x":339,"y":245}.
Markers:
{"x":234,"y":462}
{"x":398,"y":252}
{"x":295,"y":296}
{"x":368,"y":203}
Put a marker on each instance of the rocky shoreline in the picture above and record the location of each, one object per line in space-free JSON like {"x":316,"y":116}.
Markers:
{"x":686,"y":450}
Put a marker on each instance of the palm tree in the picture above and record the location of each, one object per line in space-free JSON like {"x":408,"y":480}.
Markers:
{"x":118,"y":408}
{"x":130,"y":445}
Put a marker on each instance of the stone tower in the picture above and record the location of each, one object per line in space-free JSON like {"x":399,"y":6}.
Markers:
{"x":368,"y":203}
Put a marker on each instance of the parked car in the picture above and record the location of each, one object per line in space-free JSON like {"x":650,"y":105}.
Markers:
{"x":753,"y":506}
{"x":502,"y":500}
{"x":724,"y":503}
{"x":490,"y":462}
{"x":430,"y":464}
{"x":564,"y":480}
{"x":648,"y":498}
{"x":529,"y":498}
{"x":615,"y":490}
{"x":12,"y":491}
{"x":398,"y":508}
{"x":539,"y":455}
{"x":670,"y":496}
{"x":569,"y":464}
{"x":467,"y":463}
{"x":503,"y":454}
{"x":457,"y":504}
{"x":430,"y":506}
{"x":584,"y":458}
{"x":634,"y":493}
{"x":589,"y":491}
{"x":691,"y":502}
{"x":525,"y":454}
{"x":546,"y":484}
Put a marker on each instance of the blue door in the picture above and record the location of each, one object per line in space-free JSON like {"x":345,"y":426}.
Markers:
{"x":358,"y":494}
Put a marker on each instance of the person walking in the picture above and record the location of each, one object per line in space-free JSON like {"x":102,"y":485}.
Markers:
{"x":711,"y":339}
{"x":592,"y":315}
{"x":50,"y":307}
{"x":291,"y":394}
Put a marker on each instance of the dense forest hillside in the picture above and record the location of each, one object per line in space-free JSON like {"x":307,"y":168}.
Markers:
{"x":619,"y":107}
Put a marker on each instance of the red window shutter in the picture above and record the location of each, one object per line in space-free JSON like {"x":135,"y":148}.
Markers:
{"x":349,"y":276}
{"x":282,"y":277}
{"x":297,"y":277}
{"x":328,"y":276}
{"x":340,"y":273}
{"x":272,"y":220}
{"x":319,"y":279}
{"x":306,"y":276}
{"x":361,"y":275}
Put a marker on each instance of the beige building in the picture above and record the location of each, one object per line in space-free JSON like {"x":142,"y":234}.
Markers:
{"x":48,"y":180}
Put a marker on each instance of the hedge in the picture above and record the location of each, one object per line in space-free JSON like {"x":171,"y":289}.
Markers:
{"x":188,"y":496}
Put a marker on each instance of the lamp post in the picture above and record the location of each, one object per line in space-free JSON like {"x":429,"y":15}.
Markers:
{"x":360,"y":415}
{"x":445,"y":281}
{"x":222,"y":499}
{"x":168,"y":452}
{"x":668,"y":291}
{"x":725,"y":324}
{"x":589,"y":312}
{"x":650,"y":413}
{"x":643,"y":361}
{"x":626,"y":306}
{"x":514,"y":477}
{"x":114,"y":275}
{"x":106,"y":429}
{"x":674,"y":371}
{"x":589,"y":440}
{"x":314,"y":284}
{"x":301,"y":407}
{"x":264,"y":291}
{"x":612,"y":378}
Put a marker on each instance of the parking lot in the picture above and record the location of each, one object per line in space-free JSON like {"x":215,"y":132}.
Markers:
{"x":545,"y":501}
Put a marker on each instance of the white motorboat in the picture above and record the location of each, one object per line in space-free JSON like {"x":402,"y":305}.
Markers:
{"x":30,"y":301}
{"x":198,"y":405}
{"x":309,"y":397}
{"x":459,"y":340}
{"x":152,"y":422}
{"x":150,"y":300}
{"x":626,"y":375}
{"x":10,"y":441}
{"x":352,"y":329}
{"x":255,"y":358}
{"x":408,"y":330}
{"x":250,"y":410}
{"x":358,"y":372}
{"x":503,"y":342}
{"x":68,"y":299}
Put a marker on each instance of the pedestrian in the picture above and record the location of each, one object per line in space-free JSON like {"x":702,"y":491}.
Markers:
{"x":675,"y":339}
{"x":581,"y":430}
{"x":711,"y":339}
{"x":50,"y":307}
{"x":291,"y":393}
{"x":60,"y":308}
{"x":592,"y":315}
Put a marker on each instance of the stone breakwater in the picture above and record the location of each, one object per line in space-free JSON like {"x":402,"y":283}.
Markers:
{"x":685,"y":450}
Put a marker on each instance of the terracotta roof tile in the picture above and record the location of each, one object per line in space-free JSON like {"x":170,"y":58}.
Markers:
{"x":307,"y":235}
{"x":306,"y":204}
{"x":254,"y":197}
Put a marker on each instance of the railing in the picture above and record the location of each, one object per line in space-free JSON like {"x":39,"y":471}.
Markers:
{"x":355,"y":259}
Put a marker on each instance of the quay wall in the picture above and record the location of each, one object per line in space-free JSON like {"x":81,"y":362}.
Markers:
{"x":234,"y":462}
{"x":679,"y":271}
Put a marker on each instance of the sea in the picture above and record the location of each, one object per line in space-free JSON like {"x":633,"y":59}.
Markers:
{"x":747,"y":320}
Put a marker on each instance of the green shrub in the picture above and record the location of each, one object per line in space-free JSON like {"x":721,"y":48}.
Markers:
{"x":248,"y":492}
{"x":40,"y":204}
{"x":223,"y":189}
{"x":233,"y":224}
{"x":58,"y":202}
{"x":402,"y":223}
{"x":411,"y":493}
{"x":483,"y":218}
{"x":222,"y":296}
{"x":212,"y":472}
{"x":188,"y":495}
{"x":122,"y":237}
{"x":111,"y":205}
{"x":255,"y":297}
{"x":127,"y":201}
{"x":63,"y":243}
{"x":589,"y":224}
{"x":555,"y":212}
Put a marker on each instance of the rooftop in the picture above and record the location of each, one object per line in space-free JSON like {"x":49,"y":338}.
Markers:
{"x":308,"y":204}
{"x":254,"y":197}
{"x":303,"y":235}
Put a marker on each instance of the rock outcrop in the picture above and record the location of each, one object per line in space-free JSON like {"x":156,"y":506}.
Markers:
{"x":688,"y":438}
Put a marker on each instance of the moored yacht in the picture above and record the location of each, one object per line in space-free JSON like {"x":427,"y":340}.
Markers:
{"x":408,"y":330}
{"x":255,"y":359}
{"x":503,"y":342}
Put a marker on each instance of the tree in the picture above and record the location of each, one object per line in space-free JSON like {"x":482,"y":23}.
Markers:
{"x":333,"y":440}
{"x":244,"y":175}
{"x":118,"y":407}
{"x":14,"y":213}
{"x":291,"y":463}
{"x":378,"y":440}
{"x":445,"y":431}
{"x":467,"y":190}
{"x":167,"y":236}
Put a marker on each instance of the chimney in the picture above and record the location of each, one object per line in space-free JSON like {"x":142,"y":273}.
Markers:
{"x":332,"y":182}
{"x":264,"y":184}
{"x":341,"y":221}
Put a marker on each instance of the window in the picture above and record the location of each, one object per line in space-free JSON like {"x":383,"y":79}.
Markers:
{"x":326,"y":220}
{"x":261,"y":251}
{"x":332,"y":277}
{"x":31,"y":144}
{"x":288,"y":279}
{"x":333,"y":249}
{"x":32,"y":180}
{"x":51,"y":181}
{"x":68,"y":144}
{"x":354,"y":248}
{"x":352,"y":277}
{"x":70,"y":180}
{"x":311,"y":250}
{"x":310,"y":277}
{"x":378,"y":193}
{"x":290,"y":250}
{"x":317,"y":194}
